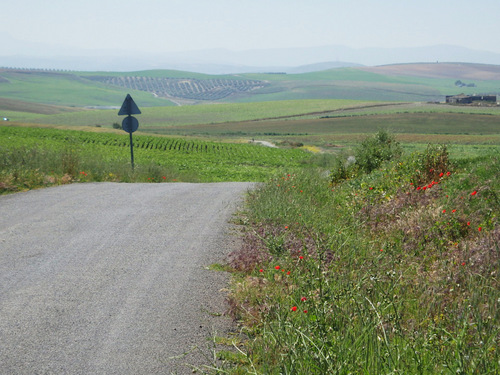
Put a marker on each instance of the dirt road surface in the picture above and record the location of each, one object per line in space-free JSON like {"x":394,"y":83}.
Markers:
{"x":108,"y":278}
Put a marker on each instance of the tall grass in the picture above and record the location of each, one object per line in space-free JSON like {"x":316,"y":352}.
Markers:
{"x":26,"y":168}
{"x":390,"y":272}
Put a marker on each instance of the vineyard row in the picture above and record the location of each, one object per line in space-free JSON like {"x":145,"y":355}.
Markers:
{"x":206,"y":89}
{"x":204,"y":149}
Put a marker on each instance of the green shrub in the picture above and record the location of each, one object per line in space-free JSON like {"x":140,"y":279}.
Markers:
{"x":368,"y":156}
{"x":373,"y":151}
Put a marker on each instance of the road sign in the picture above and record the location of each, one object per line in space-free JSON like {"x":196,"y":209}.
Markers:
{"x":130,"y":124}
{"x":129,"y":107}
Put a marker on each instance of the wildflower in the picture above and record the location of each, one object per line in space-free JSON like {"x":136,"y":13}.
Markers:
{"x":305,"y":311}
{"x":463,"y":263}
{"x":164,"y":177}
{"x":448,"y":173}
{"x":301,"y":257}
{"x":453,"y":211}
{"x":289,"y":272}
{"x":286,"y":226}
{"x":473,"y":193}
{"x":294,"y":308}
{"x":441,"y":174}
{"x":381,"y":250}
{"x":444,"y":211}
{"x":371,"y":188}
{"x":261,"y":270}
{"x":480,"y":229}
{"x":277,"y":267}
{"x":468,"y":223}
{"x":303,"y":299}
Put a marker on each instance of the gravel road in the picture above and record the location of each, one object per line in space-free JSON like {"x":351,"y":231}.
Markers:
{"x":110,"y":278}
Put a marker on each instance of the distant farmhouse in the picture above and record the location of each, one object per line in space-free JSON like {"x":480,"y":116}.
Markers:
{"x":472,"y":99}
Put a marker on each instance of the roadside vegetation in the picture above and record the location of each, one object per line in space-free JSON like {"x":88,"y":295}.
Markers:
{"x":36,"y":157}
{"x":385,"y":267}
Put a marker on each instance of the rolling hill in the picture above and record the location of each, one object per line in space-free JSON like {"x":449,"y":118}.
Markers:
{"x":403,"y":82}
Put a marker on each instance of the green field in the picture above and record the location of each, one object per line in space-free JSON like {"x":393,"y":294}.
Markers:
{"x":323,"y":123}
{"x":33,"y":157}
{"x":165,"y":87}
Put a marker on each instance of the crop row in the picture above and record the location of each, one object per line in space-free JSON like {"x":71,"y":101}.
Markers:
{"x":164,"y":150}
{"x":186,"y":88}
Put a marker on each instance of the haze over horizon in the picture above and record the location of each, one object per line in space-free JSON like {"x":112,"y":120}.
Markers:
{"x":151,"y":33}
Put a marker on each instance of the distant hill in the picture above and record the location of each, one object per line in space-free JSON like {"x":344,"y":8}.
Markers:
{"x":424,"y":82}
{"x":20,"y":54}
{"x":440,"y":70}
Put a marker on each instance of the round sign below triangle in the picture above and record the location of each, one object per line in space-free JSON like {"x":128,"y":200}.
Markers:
{"x":130,"y":124}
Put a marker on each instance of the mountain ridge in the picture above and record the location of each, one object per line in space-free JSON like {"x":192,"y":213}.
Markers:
{"x":16,"y":53}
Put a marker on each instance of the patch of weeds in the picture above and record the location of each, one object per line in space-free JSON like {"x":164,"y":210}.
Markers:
{"x":394,"y":271}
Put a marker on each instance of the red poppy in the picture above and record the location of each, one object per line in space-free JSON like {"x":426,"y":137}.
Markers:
{"x":261,"y":270}
{"x":303,"y":299}
{"x":453,"y":211}
{"x":277,"y":267}
{"x":301,"y":257}
{"x":480,"y":229}
{"x":473,"y":193}
{"x":305,"y":311}
{"x":444,"y":211}
{"x":294,"y":308}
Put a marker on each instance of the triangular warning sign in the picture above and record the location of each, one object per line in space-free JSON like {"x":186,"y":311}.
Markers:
{"x":129,"y":107}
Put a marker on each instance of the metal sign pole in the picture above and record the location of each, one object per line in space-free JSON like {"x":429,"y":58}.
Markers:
{"x":131,"y":151}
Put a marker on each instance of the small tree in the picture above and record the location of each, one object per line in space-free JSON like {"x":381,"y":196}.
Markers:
{"x":373,"y":151}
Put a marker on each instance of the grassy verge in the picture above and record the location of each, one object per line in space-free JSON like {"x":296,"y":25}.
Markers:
{"x":389,"y":272}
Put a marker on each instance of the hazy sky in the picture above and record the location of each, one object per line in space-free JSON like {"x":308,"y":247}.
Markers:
{"x":183,"y":25}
